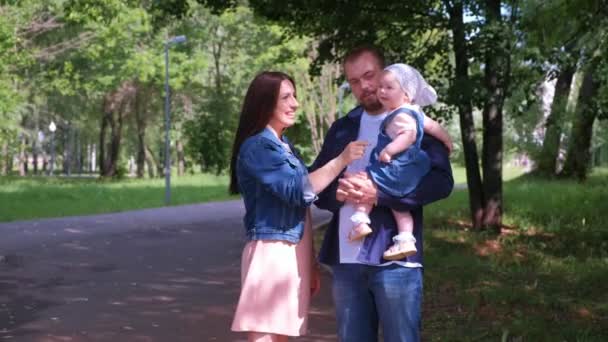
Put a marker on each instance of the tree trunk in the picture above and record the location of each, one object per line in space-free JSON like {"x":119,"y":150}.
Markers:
{"x":547,"y":161}
{"x":181,"y":161}
{"x":140,"y":120}
{"x":4,"y":159}
{"x":495,"y":75}
{"x":35,"y":155}
{"x":9,"y":161}
{"x":116,"y":136}
{"x":462,"y":84}
{"x":579,"y":154}
{"x":76,"y":152}
{"x":69,"y":151}
{"x":150,"y":162}
{"x":88,"y":159}
{"x":22,"y":157}
{"x":115,"y":107}
{"x":81,"y":156}
{"x":105,"y":121}
{"x":160,"y":165}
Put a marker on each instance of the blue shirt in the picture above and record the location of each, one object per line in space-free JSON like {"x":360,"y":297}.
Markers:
{"x":275,"y":188}
{"x":437,"y":184}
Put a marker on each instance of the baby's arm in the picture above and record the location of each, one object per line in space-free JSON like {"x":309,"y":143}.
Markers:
{"x":433,"y":128}
{"x":402,"y":131}
{"x":399,"y":144}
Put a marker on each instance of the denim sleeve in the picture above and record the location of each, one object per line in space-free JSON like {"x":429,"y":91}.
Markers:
{"x":436,"y":185}
{"x":279,"y":172}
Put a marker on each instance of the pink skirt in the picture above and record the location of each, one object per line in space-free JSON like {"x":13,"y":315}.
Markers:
{"x":275,"y":286}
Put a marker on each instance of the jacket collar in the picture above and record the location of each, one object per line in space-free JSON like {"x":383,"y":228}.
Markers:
{"x":269,"y":134}
{"x":355,"y":113}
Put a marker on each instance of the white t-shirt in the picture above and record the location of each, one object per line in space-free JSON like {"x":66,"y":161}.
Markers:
{"x":368,"y":131}
{"x":349,"y":250}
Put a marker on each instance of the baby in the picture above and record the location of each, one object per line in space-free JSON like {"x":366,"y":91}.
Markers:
{"x":397,"y":164}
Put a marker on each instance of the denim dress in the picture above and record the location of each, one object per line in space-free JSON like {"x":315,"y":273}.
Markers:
{"x":403,"y":174}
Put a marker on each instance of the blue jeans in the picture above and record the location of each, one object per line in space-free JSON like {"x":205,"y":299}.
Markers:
{"x":365,"y":295}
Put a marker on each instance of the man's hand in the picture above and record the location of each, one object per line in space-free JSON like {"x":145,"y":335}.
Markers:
{"x":344,"y":186}
{"x":357,"y":188}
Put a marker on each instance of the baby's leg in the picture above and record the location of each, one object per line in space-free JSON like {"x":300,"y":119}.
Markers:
{"x":405,"y":221}
{"x":404,"y":243}
{"x":361,"y":222}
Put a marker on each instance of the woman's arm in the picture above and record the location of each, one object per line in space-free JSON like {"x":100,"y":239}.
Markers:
{"x":279,"y":173}
{"x":323,"y":176}
{"x":327,"y":198}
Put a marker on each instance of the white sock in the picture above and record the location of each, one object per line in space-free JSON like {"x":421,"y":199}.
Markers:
{"x":360,"y":217}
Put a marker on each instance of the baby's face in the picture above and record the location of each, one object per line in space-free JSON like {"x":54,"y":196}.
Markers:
{"x":390,"y":93}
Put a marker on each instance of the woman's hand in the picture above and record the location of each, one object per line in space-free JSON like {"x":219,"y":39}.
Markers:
{"x":353,"y":151}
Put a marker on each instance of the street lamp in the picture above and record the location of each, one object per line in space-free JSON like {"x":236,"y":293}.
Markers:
{"x":52,"y":128}
{"x":168,"y":44}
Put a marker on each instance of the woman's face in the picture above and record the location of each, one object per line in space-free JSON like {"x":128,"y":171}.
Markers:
{"x":285,"y":110}
{"x":390,"y":93}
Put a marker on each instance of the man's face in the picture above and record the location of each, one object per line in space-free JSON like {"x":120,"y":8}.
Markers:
{"x":362,"y":75}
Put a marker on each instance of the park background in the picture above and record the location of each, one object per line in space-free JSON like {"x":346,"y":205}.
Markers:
{"x":518,"y":251}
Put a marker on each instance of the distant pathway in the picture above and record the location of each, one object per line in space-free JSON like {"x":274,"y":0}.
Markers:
{"x":168,"y":275}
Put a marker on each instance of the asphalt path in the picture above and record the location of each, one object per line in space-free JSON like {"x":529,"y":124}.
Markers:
{"x":167,"y":274}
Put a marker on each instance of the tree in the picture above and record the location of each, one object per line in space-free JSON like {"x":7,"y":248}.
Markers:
{"x":578,"y":157}
{"x":424,"y":41}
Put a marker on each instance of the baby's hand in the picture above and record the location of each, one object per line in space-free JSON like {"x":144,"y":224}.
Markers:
{"x":450,"y":146}
{"x":384,"y":156}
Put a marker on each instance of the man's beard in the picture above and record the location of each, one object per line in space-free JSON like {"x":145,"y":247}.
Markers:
{"x":372,"y":105}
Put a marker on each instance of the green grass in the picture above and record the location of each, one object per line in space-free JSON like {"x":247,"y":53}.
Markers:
{"x":508,"y":172}
{"x":43,"y":197}
{"x":544,"y":279}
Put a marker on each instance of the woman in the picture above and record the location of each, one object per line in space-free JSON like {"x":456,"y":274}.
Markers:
{"x":278,"y":271}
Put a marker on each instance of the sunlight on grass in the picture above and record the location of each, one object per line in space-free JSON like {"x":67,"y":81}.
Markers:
{"x":39,"y":197}
{"x":509,"y":172}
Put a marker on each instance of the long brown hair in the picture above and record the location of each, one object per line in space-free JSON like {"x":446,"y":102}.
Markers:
{"x":259,"y":105}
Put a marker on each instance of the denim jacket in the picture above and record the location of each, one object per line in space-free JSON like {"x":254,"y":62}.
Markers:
{"x":437,"y":184}
{"x":275,"y":188}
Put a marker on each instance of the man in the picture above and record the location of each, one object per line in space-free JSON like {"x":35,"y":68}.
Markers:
{"x":367,"y":289}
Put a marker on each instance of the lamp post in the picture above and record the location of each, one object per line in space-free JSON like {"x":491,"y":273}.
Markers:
{"x":52,"y":128}
{"x":168,"y":44}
